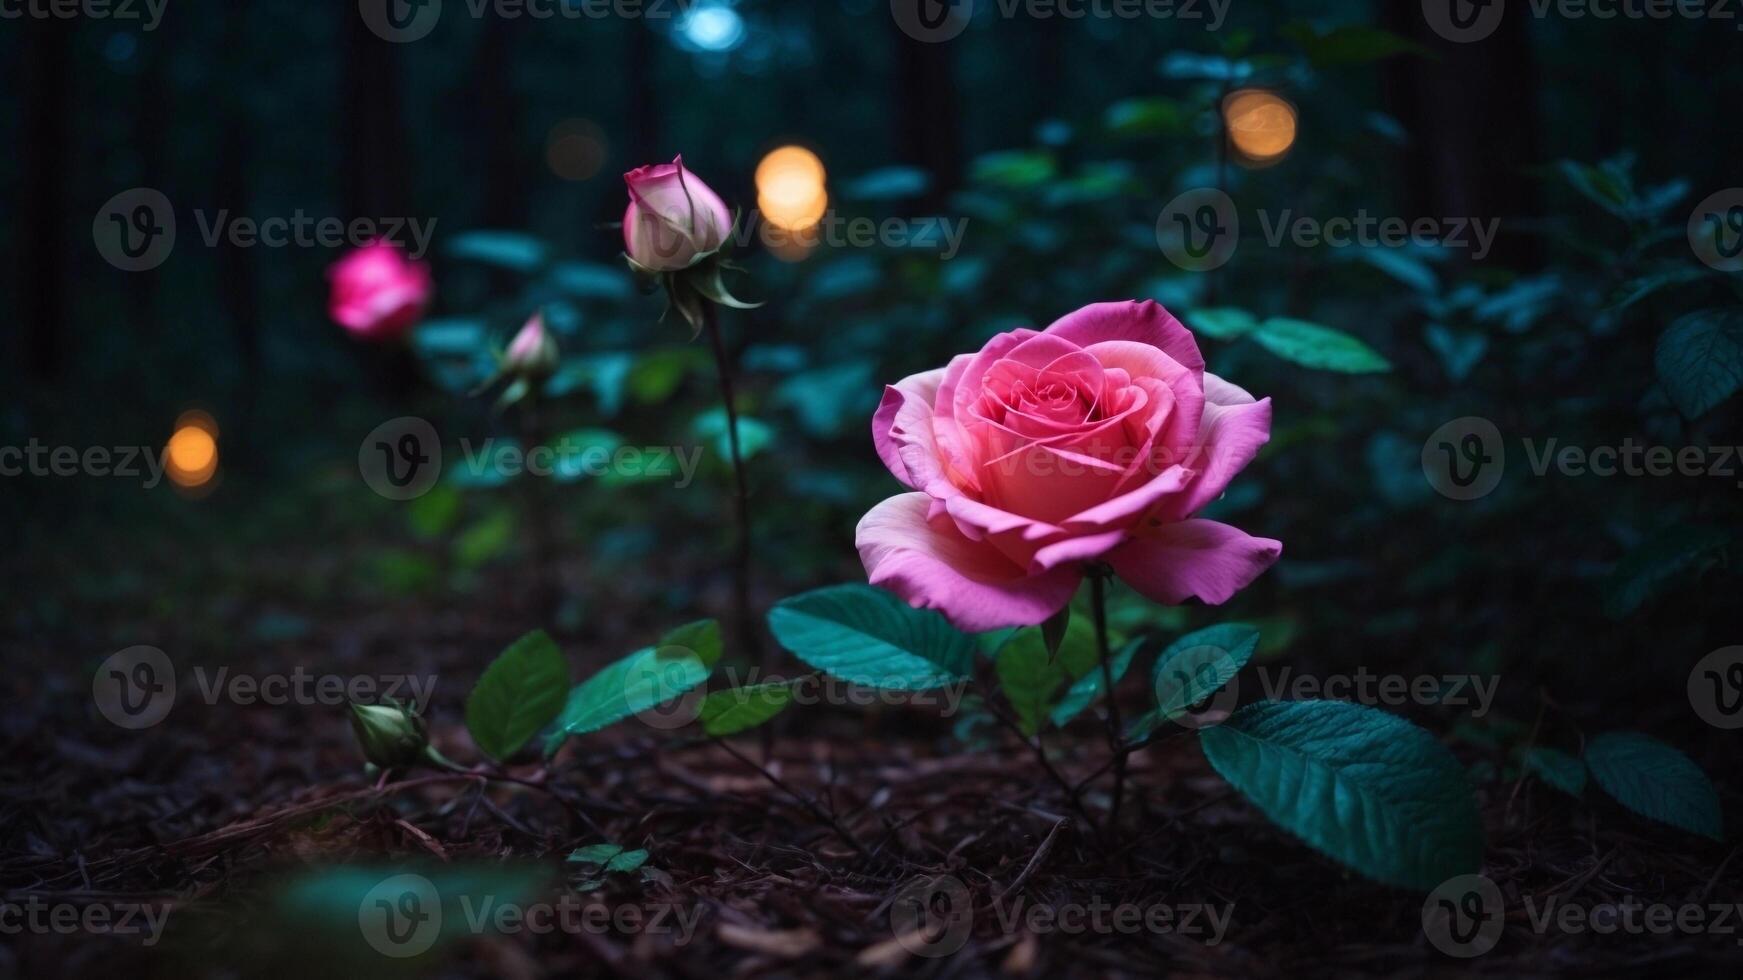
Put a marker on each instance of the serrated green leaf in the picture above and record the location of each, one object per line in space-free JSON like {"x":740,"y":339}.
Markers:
{"x":1700,"y":360}
{"x":742,"y":708}
{"x":1558,"y":769}
{"x":1192,"y":669}
{"x":1364,"y":787}
{"x":520,"y":692}
{"x":868,"y":636}
{"x":1319,"y":347}
{"x":646,"y":678}
{"x":1655,"y":781}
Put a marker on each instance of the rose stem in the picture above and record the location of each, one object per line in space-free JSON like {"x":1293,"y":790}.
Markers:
{"x":545,"y":591}
{"x":747,"y":633}
{"x":1098,"y":600}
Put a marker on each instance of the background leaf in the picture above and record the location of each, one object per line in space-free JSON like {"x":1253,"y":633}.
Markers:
{"x":1364,"y":787}
{"x":1655,"y":781}
{"x":1314,"y":346}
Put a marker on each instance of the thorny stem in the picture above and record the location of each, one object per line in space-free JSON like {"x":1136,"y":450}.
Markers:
{"x":747,"y":632}
{"x":1098,"y":600}
{"x":805,"y":801}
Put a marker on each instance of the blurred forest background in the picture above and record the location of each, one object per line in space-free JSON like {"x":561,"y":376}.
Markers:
{"x":1059,"y":141}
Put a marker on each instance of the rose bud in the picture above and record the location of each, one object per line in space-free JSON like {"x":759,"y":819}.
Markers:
{"x":391,"y":736}
{"x":378,"y":293}
{"x":674,"y":219}
{"x":533,"y":352}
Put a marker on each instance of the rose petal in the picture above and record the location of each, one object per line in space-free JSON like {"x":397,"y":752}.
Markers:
{"x":902,"y":429}
{"x":1144,"y":322}
{"x":1193,"y":558}
{"x":1230,"y":438}
{"x":932,"y":566}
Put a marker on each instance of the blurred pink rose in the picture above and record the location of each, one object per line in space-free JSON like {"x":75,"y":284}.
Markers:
{"x":672,"y":217}
{"x":1095,"y":440}
{"x":378,"y":293}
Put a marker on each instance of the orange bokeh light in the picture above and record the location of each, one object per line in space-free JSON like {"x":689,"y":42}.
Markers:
{"x":791,"y":192}
{"x":191,"y":457}
{"x":1261,"y":125}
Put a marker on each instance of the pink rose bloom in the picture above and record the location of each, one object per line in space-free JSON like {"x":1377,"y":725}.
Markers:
{"x":378,"y":293}
{"x":672,"y":217}
{"x":1097,"y":439}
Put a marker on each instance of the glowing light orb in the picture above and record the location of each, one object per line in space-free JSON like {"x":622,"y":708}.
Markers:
{"x":790,"y":188}
{"x":712,"y":27}
{"x":1261,"y":125}
{"x":191,"y":456}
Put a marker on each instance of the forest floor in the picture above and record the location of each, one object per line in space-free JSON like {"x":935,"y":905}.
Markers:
{"x":800,"y":865}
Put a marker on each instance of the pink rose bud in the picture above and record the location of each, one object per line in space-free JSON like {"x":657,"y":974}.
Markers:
{"x":533,"y":352}
{"x":672,"y":218}
{"x":378,"y":293}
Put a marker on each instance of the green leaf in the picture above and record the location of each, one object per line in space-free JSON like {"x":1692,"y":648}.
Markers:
{"x":1088,"y":687}
{"x":742,"y":708}
{"x":887,"y":184}
{"x":1364,"y":787}
{"x":1053,"y":629}
{"x":1558,"y":769}
{"x":1319,"y":347}
{"x":700,"y":639}
{"x":1028,"y":676}
{"x":1349,"y":44}
{"x":1223,"y":323}
{"x":1013,"y":168}
{"x":485,"y":540}
{"x":868,"y":636}
{"x":1700,"y":360}
{"x":433,"y":514}
{"x":610,"y":857}
{"x":1193,"y":668}
{"x":520,"y":692}
{"x":584,"y":452}
{"x":753,"y":436}
{"x":1655,"y":781}
{"x":1146,"y":116}
{"x":507,"y":249}
{"x":1670,"y":555}
{"x":648,"y":677}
